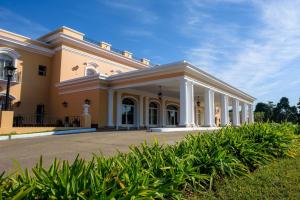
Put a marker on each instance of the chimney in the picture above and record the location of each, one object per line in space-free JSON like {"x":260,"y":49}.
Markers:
{"x":145,"y":61}
{"x":105,"y":45}
{"x":127,"y":54}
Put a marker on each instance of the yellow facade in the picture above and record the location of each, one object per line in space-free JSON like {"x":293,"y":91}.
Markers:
{"x":78,"y":71}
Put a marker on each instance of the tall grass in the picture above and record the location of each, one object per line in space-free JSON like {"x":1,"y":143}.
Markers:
{"x":157,"y":171}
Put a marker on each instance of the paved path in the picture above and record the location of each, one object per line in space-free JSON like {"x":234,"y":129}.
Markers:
{"x":28,"y":151}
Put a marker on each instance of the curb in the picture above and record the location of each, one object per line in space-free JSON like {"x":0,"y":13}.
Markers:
{"x":32,"y":135}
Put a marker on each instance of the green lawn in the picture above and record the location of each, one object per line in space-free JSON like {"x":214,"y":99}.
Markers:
{"x":278,"y":180}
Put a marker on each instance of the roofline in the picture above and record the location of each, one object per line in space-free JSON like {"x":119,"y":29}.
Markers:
{"x":183,"y":63}
{"x":219,"y":80}
{"x":58,"y":29}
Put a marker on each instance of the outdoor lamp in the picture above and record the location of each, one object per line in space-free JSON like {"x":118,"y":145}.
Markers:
{"x":198,"y":102}
{"x":9,"y":71}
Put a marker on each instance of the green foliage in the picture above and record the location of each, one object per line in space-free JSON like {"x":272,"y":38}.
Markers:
{"x":156,"y":171}
{"x":259,"y":117}
{"x":282,"y":112}
{"x":277,"y":180}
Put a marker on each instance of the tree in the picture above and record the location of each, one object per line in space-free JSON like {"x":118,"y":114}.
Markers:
{"x":298,"y":106}
{"x":284,"y":112}
{"x":265,"y":111}
{"x":259,"y":116}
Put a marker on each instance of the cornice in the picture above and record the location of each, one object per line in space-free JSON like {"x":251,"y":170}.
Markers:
{"x":26,"y":45}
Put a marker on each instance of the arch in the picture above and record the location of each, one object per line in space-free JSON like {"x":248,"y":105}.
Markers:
{"x":8,"y":53}
{"x":92,"y":64}
{"x":91,"y":69}
{"x":129,"y":111}
{"x":172,"y":107}
{"x":172,"y":114}
{"x":154,"y":113}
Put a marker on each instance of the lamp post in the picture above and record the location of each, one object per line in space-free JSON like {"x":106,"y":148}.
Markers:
{"x":9,"y":71}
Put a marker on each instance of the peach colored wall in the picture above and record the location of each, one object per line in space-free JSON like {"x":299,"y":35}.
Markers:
{"x":32,"y":88}
{"x":74,"y":65}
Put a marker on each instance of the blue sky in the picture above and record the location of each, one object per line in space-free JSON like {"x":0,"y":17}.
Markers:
{"x":253,"y":45}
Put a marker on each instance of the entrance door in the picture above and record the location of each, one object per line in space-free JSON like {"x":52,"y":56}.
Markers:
{"x":172,"y":115}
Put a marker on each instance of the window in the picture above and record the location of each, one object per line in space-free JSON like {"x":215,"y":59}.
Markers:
{"x":172,"y":118}
{"x":42,"y":70}
{"x":90,"y":72}
{"x":153,"y":114}
{"x":128,"y":111}
{"x":5,"y":60}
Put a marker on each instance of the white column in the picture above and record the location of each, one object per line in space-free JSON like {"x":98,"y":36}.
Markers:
{"x":235,"y":112}
{"x":244,"y":113}
{"x":147,"y":112}
{"x":209,"y":107}
{"x":110,"y":109}
{"x":251,"y":114}
{"x":184,"y":103}
{"x":119,"y":110}
{"x":224,"y":110}
{"x":192,"y":105}
{"x":163,"y":113}
{"x":213,"y":108}
{"x":141,"y":109}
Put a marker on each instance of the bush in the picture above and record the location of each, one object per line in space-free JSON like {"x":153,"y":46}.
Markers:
{"x":157,"y":171}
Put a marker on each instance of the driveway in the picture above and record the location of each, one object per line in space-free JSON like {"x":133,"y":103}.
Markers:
{"x":28,"y":151}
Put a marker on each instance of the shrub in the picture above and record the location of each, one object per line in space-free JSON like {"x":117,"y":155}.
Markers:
{"x":157,"y":171}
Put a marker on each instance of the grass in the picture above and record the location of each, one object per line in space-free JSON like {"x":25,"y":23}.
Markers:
{"x":278,"y":180}
{"x":197,"y":163}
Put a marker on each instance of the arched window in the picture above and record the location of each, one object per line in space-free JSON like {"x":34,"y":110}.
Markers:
{"x":172,"y":115}
{"x":153,"y":114}
{"x":128,"y":111}
{"x":5,"y":60}
{"x":90,"y":72}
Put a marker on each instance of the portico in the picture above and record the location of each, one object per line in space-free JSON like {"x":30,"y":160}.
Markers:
{"x":179,"y":100}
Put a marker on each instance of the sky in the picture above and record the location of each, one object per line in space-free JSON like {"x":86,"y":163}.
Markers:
{"x":253,"y":45}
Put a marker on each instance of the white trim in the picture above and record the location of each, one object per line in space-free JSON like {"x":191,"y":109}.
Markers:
{"x":78,"y":80}
{"x":92,"y":68}
{"x":199,"y":83}
{"x":94,"y":57}
{"x":26,"y":46}
{"x":11,"y":52}
{"x":83,"y":90}
{"x":94,"y":47}
{"x":135,"y":114}
{"x":148,"y":94}
{"x":184,"y":129}
{"x":146,"y":82}
{"x":49,"y":36}
{"x":47,"y":133}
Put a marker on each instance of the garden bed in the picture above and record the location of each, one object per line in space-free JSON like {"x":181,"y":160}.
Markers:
{"x":155,"y":171}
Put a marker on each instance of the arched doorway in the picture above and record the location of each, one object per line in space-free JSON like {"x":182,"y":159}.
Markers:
{"x":128,"y":112}
{"x":153,"y":114}
{"x":172,"y":115}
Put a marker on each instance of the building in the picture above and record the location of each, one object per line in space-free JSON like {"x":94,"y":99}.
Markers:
{"x":63,"y":70}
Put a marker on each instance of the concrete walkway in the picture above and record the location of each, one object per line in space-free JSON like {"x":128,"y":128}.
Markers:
{"x":28,"y":151}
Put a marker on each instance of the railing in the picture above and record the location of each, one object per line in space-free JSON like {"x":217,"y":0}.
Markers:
{"x":45,"y":121}
{"x":115,"y":50}
{"x":15,"y":78}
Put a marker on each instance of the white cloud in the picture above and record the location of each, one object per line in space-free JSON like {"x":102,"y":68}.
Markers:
{"x":136,"y":9}
{"x":135,"y":32}
{"x":259,"y":63}
{"x":19,"y":24}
